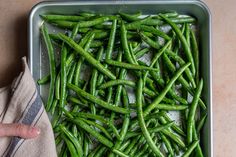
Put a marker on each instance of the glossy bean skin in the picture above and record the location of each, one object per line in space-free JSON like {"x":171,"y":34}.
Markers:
{"x":142,"y":122}
{"x":52,"y":65}
{"x":87,"y":56}
{"x":118,"y":78}
{"x":192,"y":112}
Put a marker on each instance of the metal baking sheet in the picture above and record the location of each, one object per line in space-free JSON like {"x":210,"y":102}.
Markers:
{"x":38,"y":62}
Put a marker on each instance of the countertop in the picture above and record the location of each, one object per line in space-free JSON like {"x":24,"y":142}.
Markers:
{"x":13,"y":45}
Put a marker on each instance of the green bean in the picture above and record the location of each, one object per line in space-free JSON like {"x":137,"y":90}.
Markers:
{"x":100,"y":152}
{"x":132,"y":35}
{"x":201,"y":123}
{"x":183,"y":81}
{"x":174,"y":137}
{"x":153,"y":31}
{"x":195,"y":52}
{"x":65,"y":153}
{"x":51,"y":17}
{"x":75,"y":131}
{"x":81,"y":59}
{"x":129,"y":66}
{"x":103,"y":26}
{"x":124,"y":145}
{"x":186,"y":47}
{"x":176,"y":148}
{"x":136,"y":24}
{"x":142,"y":151}
{"x":119,"y":153}
{"x":175,"y":127}
{"x":74,"y":31}
{"x":87,"y":128}
{"x":124,"y":43}
{"x":95,"y":151}
{"x":71,"y":147}
{"x":179,"y":20}
{"x":171,"y":107}
{"x":69,"y":59}
{"x":92,"y":116}
{"x":136,"y":46}
{"x":86,"y":145}
{"x":141,"y":119}
{"x":141,"y":52}
{"x":71,"y":73}
{"x":171,"y":14}
{"x":87,"y":14}
{"x":190,"y":149}
{"x":44,"y":80}
{"x":198,"y":150}
{"x":178,"y":98}
{"x":155,"y":59}
{"x":131,"y":84}
{"x":73,"y":140}
{"x":100,"y":34}
{"x":187,"y":33}
{"x":93,"y":81}
{"x":87,"y":56}
{"x":192,"y":112}
{"x":117,"y":82}
{"x":110,"y":47}
{"x":165,"y":90}
{"x":54,"y":105}
{"x":83,"y":41}
{"x":182,"y":62}
{"x":150,"y":42}
{"x":133,"y":151}
{"x":52,"y":65}
{"x":151,"y":21}
{"x":97,"y":100}
{"x":96,"y":44}
{"x":81,"y":24}
{"x":167,"y":144}
{"x":132,"y":144}
{"x":55,"y":118}
{"x":118,"y":58}
{"x":99,"y":127}
{"x":111,"y":40}
{"x":132,"y":53}
{"x":63,"y":77}
{"x":62,"y":150}
{"x":129,"y":17}
{"x":126,"y":120}
{"x":58,"y":140}
{"x":118,"y":93}
{"x":150,"y":130}
{"x":76,"y":101}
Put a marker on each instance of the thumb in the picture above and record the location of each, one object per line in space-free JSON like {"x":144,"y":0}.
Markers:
{"x":21,"y":130}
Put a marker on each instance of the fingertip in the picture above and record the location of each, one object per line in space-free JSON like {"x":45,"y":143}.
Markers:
{"x":34,"y":132}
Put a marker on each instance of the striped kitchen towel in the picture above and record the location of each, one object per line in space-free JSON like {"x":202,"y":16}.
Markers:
{"x":21,"y":103}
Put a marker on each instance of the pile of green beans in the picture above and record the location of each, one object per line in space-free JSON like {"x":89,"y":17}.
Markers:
{"x":117,"y":81}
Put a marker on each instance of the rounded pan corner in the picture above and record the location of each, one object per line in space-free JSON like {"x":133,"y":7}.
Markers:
{"x":205,"y":7}
{"x":37,"y":6}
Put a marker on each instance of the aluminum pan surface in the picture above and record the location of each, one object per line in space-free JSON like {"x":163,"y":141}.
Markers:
{"x":38,"y":62}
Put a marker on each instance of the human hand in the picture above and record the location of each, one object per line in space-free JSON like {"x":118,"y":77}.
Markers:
{"x":16,"y":129}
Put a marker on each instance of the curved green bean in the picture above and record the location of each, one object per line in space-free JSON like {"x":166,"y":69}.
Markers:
{"x":52,"y":65}
{"x":192,"y":112}
{"x":141,"y":119}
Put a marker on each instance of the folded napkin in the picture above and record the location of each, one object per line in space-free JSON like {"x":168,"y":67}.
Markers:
{"x":21,"y":103}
